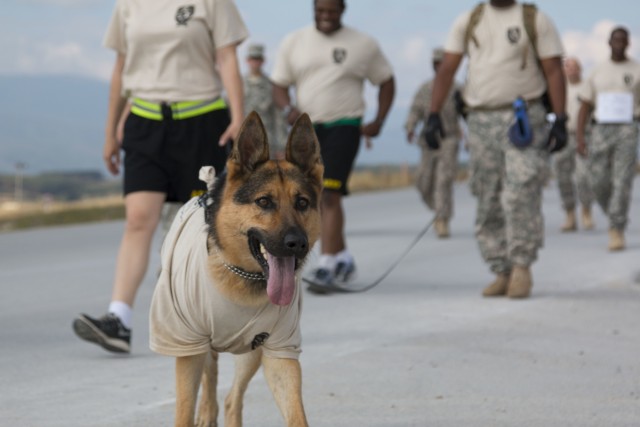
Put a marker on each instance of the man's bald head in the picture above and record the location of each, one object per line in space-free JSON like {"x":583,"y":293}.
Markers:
{"x":572,"y":69}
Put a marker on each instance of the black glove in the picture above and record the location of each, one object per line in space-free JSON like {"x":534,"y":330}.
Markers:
{"x":433,"y":131}
{"x":461,"y":107}
{"x":558,"y":134}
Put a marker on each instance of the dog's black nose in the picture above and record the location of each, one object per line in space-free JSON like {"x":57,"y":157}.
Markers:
{"x":295,"y":240}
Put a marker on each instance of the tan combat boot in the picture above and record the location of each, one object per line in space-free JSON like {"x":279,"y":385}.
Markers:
{"x":520,"y":282}
{"x":570,"y":222}
{"x":616,"y":240}
{"x":498,"y":287}
{"x":442,"y":228}
{"x":587,"y":219}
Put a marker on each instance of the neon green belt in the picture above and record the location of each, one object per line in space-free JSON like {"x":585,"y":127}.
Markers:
{"x":352,"y":121}
{"x":179,"y":110}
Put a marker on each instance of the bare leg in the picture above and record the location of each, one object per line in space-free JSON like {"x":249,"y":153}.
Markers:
{"x":208,"y":410}
{"x":188,"y":373}
{"x":143,"y":213}
{"x":246,"y":366}
{"x":331,"y":235}
{"x":284,"y":377}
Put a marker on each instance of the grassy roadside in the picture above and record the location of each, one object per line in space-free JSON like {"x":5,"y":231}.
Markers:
{"x":44,"y":214}
{"x":35,"y":214}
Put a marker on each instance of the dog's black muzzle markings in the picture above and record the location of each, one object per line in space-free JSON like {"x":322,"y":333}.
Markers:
{"x":293,"y":242}
{"x":296,"y":242}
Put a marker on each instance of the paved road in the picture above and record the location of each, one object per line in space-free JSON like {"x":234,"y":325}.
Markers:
{"x":421,"y":349}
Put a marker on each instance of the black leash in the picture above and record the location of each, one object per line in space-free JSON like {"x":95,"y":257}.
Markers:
{"x":343,"y":289}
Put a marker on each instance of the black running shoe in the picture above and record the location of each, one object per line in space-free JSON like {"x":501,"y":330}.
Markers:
{"x":345,"y":272}
{"x":320,"y":281}
{"x":107,"y":331}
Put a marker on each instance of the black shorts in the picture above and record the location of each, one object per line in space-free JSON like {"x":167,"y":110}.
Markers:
{"x":166,"y":156}
{"x":339,"y":147}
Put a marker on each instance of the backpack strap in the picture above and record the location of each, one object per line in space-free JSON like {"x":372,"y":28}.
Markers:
{"x":474,"y":18}
{"x":529,"y":12}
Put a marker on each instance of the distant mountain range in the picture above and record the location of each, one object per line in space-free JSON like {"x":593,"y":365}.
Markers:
{"x":56,"y":123}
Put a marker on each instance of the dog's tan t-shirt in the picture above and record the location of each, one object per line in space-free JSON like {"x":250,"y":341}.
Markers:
{"x":495,"y":76}
{"x":170,"y":46}
{"x":189,"y":316}
{"x":329,"y":71}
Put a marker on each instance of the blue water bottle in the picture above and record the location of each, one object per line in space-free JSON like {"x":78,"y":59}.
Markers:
{"x":520,"y":133}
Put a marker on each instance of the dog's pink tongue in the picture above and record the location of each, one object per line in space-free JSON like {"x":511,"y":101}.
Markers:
{"x":282,"y":281}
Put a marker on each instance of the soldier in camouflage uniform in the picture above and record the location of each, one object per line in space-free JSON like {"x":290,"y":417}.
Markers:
{"x":613,"y":90}
{"x":437,"y":167}
{"x":567,"y":164}
{"x":505,"y":62}
{"x":258,"y":97}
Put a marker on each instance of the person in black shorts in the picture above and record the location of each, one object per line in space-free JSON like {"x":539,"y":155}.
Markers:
{"x":329,"y":87}
{"x":339,"y":146}
{"x":158,"y":159}
{"x":169,"y":74}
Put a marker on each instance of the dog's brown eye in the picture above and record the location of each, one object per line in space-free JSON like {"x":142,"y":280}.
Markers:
{"x":264,"y":203}
{"x":302,"y":203}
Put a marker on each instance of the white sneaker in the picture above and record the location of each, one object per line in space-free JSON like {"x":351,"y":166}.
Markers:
{"x":344,"y":272}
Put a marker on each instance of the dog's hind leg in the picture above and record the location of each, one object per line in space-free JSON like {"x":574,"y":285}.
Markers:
{"x":208,"y":408}
{"x":188,"y":373}
{"x":284,"y":377}
{"x":246,"y":365}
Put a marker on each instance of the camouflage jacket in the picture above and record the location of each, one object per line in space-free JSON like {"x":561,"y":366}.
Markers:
{"x":258,"y":97}
{"x":420,"y":106}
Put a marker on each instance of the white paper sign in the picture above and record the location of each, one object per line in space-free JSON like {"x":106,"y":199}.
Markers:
{"x":614,"y":107}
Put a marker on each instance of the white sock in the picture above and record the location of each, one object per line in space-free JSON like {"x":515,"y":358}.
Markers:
{"x":123,"y":311}
{"x":327,"y":261}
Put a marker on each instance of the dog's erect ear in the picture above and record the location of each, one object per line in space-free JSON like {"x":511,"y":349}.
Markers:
{"x":251,"y":149}
{"x":303,"y":149}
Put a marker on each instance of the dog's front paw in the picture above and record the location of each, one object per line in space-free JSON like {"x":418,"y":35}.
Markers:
{"x":205,"y":421}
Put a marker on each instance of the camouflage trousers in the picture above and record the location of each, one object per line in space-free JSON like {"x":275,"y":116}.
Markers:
{"x":569,"y":166}
{"x":613,"y":152}
{"x":436,"y":176}
{"x":508,"y":182}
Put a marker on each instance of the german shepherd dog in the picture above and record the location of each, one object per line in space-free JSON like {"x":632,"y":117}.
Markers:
{"x":254,"y":229}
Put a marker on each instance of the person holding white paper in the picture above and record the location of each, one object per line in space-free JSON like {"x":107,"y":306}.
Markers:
{"x":612,"y":93}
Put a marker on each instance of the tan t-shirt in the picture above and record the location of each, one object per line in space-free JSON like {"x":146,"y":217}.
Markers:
{"x":614,"y":77}
{"x":494,"y":75}
{"x":170,"y":46}
{"x":329,"y":71}
{"x":189,"y":316}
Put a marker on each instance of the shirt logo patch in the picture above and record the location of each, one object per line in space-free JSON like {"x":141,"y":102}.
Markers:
{"x":628,"y":79}
{"x":513,"y":34}
{"x":339,"y":55}
{"x":184,"y":13}
{"x":259,"y":340}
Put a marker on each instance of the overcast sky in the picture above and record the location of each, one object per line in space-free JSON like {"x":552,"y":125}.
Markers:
{"x":65,"y":36}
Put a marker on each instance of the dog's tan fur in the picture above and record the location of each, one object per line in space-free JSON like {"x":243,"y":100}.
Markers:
{"x":287,"y":183}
